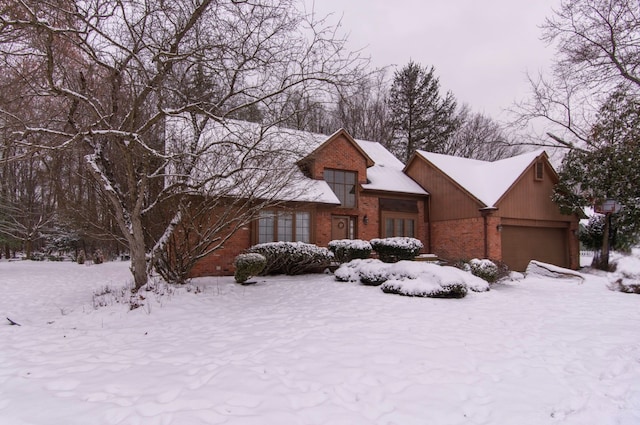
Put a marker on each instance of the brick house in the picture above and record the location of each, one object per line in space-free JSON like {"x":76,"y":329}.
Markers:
{"x":360,"y":191}
{"x":500,"y":210}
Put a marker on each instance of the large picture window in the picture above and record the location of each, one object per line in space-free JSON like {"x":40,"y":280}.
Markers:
{"x":399,"y":225}
{"x":284,"y":226}
{"x":343,"y":184}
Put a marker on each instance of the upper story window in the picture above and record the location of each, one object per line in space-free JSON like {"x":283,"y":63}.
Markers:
{"x":539,"y":171}
{"x":343,"y":184}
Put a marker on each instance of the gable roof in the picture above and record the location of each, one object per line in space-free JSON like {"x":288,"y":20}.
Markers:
{"x":384,"y":171}
{"x":284,"y":148}
{"x":347,"y":136}
{"x":486,"y":181}
{"x":387,"y":172}
{"x":252,"y":152}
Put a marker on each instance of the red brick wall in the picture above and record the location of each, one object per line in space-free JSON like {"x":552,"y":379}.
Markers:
{"x":464,"y":239}
{"x":367,"y":205}
{"x":220,"y":262}
{"x":494,"y":238}
{"x":340,"y":154}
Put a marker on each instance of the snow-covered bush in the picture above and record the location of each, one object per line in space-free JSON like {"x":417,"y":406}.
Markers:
{"x":484,"y":269}
{"x":391,"y":250}
{"x":248,"y":265}
{"x":292,"y":257}
{"x":412,"y":278}
{"x":626,"y":277}
{"x":415,"y":288}
{"x":345,"y":250}
{"x":350,"y":272}
{"x":374,"y":273}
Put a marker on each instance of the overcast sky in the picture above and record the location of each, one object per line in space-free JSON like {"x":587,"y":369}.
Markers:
{"x":481,"y":49}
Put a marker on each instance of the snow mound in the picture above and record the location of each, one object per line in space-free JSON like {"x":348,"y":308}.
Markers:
{"x":538,"y":268}
{"x":626,"y":278}
{"x":411,"y":278}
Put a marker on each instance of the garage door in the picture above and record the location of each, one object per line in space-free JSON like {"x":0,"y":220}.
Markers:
{"x":522,"y":244}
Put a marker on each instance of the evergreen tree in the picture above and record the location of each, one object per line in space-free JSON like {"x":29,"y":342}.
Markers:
{"x":421,"y":117}
{"x":608,"y":170}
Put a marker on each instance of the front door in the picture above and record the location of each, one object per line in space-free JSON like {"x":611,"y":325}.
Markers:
{"x":340,"y":227}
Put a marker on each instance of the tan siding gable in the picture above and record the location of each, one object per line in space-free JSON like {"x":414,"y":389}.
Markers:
{"x":529,"y":198}
{"x":448,"y":200}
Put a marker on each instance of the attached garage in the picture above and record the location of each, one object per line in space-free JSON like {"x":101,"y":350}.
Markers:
{"x":503,"y":210}
{"x":521,"y":244}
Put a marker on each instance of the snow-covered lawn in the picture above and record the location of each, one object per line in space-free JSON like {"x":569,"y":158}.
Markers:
{"x":310,"y":350}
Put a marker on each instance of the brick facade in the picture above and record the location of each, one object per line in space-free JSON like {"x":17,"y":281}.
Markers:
{"x":339,"y":153}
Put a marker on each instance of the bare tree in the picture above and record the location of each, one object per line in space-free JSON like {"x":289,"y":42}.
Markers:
{"x":363,"y":110}
{"x":117,"y":69}
{"x":480,"y":137}
{"x":597,"y":43}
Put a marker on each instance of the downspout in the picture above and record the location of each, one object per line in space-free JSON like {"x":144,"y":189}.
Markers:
{"x":429,"y":247}
{"x":486,"y":212}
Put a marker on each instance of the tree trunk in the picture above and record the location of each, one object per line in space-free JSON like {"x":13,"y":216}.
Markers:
{"x":601,"y":259}
{"x":138,"y":254}
{"x":28,"y":248}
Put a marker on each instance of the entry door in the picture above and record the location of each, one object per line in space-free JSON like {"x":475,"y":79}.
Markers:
{"x":340,"y":227}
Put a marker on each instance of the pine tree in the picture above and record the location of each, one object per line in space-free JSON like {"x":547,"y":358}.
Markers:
{"x":421,"y":117}
{"x":608,"y":170}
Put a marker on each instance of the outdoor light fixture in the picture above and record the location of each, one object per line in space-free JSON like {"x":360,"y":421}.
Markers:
{"x":499,"y":227}
{"x":365,"y":219}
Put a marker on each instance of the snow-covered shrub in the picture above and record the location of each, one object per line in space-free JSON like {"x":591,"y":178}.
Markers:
{"x":391,"y":250}
{"x":350,"y":272}
{"x":414,"y":288}
{"x":345,"y":250}
{"x":292,"y":257}
{"x":82,"y":257}
{"x":484,"y":269}
{"x":412,"y":278}
{"x":626,"y":278}
{"x":248,"y":265}
{"x":374,"y":273}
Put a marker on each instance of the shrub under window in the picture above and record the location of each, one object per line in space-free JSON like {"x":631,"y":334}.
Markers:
{"x":391,"y":250}
{"x":345,"y":250}
{"x":292,"y":257}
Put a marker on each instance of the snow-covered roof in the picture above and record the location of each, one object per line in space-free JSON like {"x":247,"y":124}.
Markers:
{"x":486,"y":181}
{"x":239,"y":158}
{"x":282,"y":148}
{"x":387,"y":173}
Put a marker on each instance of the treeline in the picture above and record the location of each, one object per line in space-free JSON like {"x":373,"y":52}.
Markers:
{"x":86,"y":88}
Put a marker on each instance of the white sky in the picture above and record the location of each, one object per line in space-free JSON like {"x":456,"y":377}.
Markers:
{"x":482,"y":50}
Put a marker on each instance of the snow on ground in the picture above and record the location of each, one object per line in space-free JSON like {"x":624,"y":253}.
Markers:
{"x":310,"y":350}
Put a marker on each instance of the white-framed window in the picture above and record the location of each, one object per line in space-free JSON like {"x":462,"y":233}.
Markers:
{"x":284,"y":226}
